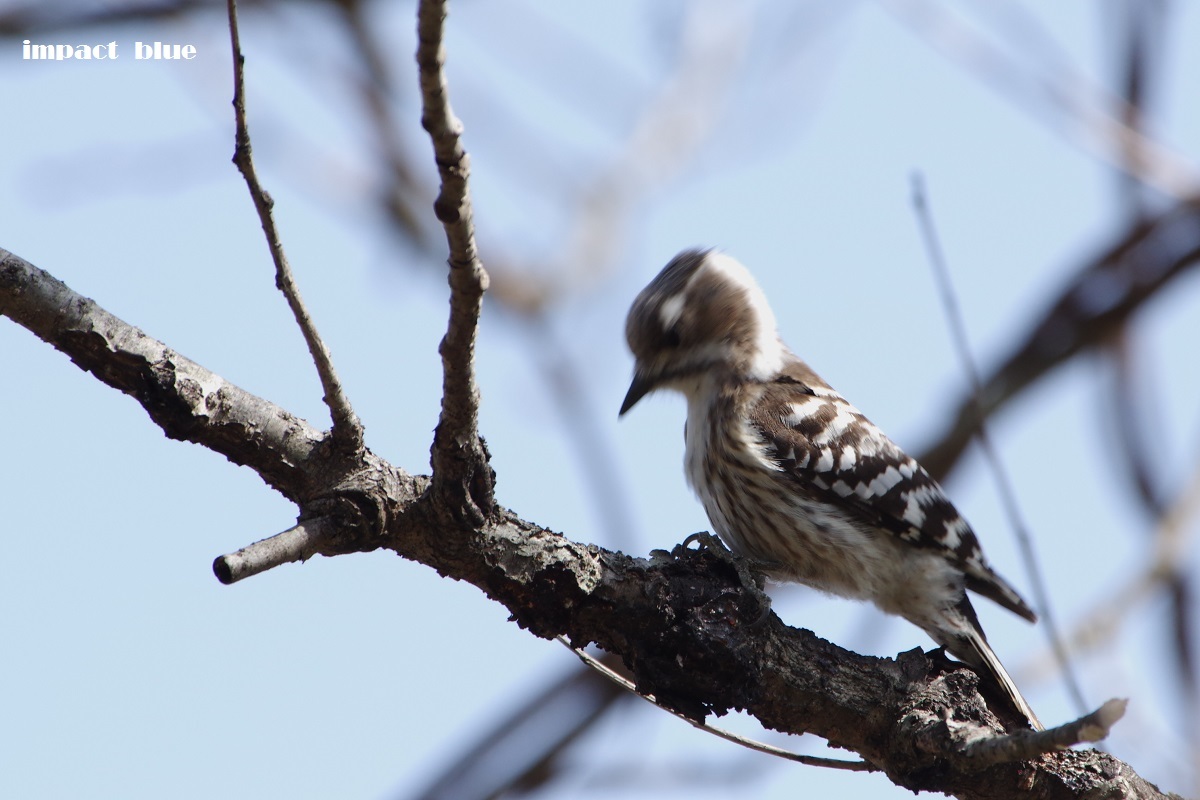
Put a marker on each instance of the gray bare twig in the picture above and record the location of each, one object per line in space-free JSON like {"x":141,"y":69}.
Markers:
{"x":459,"y":457}
{"x":347,"y":429}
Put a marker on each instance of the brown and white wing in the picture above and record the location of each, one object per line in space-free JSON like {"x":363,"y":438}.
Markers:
{"x":826,"y":444}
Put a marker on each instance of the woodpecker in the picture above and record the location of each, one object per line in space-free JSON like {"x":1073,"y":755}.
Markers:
{"x":794,"y":477}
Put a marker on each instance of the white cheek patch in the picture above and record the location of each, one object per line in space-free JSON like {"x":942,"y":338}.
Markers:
{"x":671,"y":310}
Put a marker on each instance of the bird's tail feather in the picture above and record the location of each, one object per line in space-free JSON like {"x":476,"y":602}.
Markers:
{"x":986,"y":658}
{"x":962,"y":635}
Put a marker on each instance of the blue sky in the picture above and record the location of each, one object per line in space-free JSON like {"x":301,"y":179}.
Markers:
{"x":131,"y":672}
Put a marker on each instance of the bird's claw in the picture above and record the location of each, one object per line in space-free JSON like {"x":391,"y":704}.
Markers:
{"x":751,"y":572}
{"x":706,"y":541}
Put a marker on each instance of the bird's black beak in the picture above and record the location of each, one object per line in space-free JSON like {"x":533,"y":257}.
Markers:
{"x":639,"y":388}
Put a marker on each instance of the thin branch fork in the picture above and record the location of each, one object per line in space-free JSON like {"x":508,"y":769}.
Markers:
{"x":347,"y":428}
{"x":458,"y":456}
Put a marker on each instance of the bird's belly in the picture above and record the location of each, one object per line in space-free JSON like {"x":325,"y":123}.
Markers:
{"x":807,"y":542}
{"x":819,"y":545}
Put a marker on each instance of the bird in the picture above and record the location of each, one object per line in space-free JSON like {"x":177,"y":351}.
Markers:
{"x":798,"y":480}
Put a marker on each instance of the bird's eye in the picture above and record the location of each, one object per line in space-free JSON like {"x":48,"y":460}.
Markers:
{"x":670,"y":337}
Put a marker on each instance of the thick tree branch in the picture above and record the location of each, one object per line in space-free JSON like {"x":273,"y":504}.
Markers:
{"x":183,"y":398}
{"x":459,"y":457}
{"x":729,"y":736}
{"x":691,"y":630}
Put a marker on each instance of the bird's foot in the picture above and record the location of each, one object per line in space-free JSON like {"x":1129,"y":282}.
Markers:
{"x":751,"y":572}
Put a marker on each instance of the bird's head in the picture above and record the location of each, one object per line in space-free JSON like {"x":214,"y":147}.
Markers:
{"x":703,"y":314}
